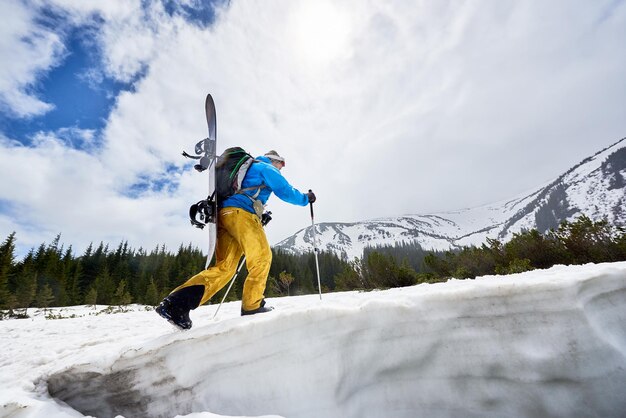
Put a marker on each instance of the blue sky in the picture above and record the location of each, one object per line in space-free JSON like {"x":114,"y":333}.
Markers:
{"x":382,"y":109}
{"x":82,"y":95}
{"x":78,"y":101}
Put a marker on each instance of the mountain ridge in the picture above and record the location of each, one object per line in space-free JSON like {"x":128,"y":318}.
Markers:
{"x":594,"y":187}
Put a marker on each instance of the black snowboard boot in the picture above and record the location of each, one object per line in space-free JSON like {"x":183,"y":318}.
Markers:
{"x":260,"y":309}
{"x":175,"y":315}
{"x":175,"y":307}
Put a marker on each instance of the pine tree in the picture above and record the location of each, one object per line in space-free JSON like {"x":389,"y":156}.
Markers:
{"x":26,"y":281}
{"x":91,"y":297}
{"x":121,"y":296}
{"x":44,"y":296}
{"x":74,"y":290}
{"x":105,"y":287}
{"x":152,"y":295}
{"x":348,"y":279}
{"x":26,"y":288}
{"x":7,"y":250}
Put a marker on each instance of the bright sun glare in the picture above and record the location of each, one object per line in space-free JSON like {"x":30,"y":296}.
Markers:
{"x":320,"y":32}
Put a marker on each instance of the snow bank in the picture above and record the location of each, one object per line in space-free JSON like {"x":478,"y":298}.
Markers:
{"x":542,"y":343}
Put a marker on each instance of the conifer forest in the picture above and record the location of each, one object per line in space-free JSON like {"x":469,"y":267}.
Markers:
{"x":53,"y":275}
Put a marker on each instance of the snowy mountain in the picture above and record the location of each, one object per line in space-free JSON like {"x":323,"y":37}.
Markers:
{"x":545,"y":343}
{"x":595,"y":187}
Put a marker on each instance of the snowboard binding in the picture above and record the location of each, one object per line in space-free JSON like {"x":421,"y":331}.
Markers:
{"x":206,"y":209}
{"x":204,"y":149}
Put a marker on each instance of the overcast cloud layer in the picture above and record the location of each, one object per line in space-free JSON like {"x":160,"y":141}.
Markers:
{"x":381,"y":108}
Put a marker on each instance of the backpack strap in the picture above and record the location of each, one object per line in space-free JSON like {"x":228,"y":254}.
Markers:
{"x":244,"y":169}
{"x":257,"y":205}
{"x":247,"y":189}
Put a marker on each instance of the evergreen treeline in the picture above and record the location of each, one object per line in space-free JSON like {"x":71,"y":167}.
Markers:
{"x":52,"y":276}
{"x":579,"y":242}
{"x":410,"y":253}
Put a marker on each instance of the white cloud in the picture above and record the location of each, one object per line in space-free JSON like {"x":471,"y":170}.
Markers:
{"x":27,"y":52}
{"x":426,"y":106}
{"x":56,"y":189}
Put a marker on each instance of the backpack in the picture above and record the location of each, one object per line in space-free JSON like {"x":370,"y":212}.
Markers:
{"x":230,"y":170}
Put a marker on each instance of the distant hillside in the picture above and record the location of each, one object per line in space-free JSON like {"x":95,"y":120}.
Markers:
{"x":595,"y":187}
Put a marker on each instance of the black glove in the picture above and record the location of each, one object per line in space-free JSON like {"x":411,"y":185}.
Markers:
{"x":311,"y":196}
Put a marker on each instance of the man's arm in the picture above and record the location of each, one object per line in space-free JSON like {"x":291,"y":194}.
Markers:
{"x":281,"y":187}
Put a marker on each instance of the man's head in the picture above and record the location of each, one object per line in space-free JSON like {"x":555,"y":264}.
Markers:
{"x":277,"y":160}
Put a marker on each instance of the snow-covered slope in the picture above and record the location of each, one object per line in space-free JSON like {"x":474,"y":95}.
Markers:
{"x":595,"y":187}
{"x":541,"y":343}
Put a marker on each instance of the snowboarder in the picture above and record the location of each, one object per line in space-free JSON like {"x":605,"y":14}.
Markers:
{"x":239,"y":232}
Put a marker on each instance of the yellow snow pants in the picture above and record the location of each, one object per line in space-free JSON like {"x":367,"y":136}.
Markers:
{"x":238,"y":232}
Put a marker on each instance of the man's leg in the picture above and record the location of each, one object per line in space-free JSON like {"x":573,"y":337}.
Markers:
{"x":246,"y":228}
{"x":211,"y":280}
{"x":201,"y":287}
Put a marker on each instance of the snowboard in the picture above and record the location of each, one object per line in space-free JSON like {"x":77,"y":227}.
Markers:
{"x":206,"y":155}
{"x":211,"y":121}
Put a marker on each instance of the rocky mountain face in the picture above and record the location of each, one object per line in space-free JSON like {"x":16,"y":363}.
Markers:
{"x":595,"y":187}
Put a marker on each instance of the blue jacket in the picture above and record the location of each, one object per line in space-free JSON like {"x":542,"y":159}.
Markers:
{"x":260,"y":173}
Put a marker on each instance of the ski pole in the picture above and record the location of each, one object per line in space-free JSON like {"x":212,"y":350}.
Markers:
{"x":265,"y":219}
{"x":232,"y":281}
{"x":316,"y":250}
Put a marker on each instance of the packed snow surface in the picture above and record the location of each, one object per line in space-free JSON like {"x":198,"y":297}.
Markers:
{"x":538,"y":344}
